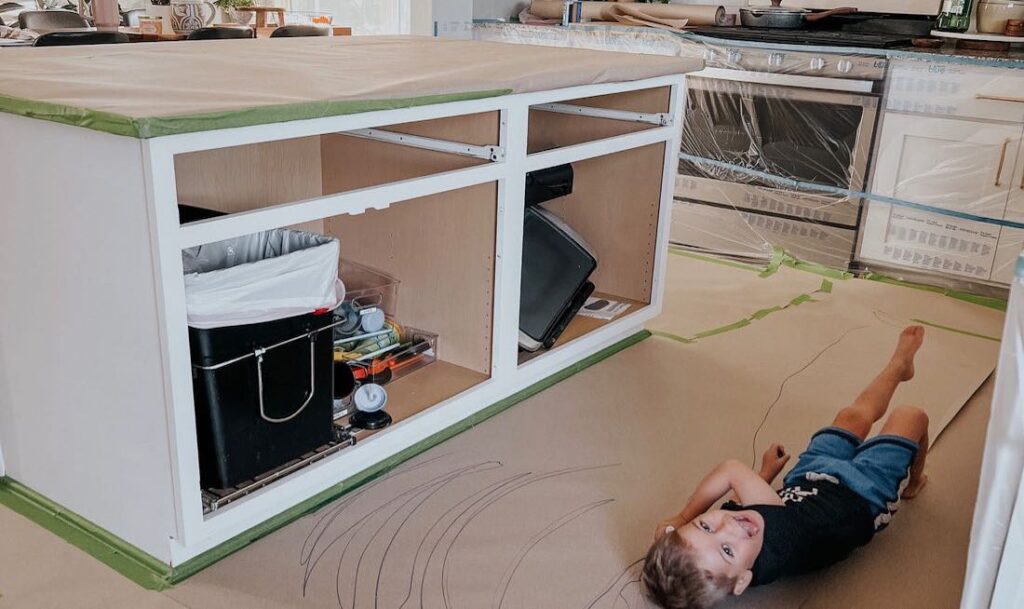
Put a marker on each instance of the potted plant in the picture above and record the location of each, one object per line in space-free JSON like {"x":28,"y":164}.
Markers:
{"x":234,"y":10}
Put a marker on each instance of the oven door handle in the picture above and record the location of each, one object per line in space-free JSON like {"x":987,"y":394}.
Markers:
{"x":788,"y":80}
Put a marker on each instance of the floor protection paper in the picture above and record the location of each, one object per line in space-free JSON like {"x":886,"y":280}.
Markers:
{"x":552,"y":503}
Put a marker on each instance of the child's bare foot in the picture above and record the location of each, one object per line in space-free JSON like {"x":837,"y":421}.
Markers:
{"x":903,"y":359}
{"x":914,"y":487}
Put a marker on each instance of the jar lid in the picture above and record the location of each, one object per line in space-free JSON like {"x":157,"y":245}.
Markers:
{"x":370,"y":397}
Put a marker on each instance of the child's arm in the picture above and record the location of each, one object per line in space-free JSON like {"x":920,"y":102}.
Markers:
{"x":728,"y":476}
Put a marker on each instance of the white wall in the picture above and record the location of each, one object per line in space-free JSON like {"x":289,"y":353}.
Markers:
{"x":420,"y":16}
{"x":497,"y":9}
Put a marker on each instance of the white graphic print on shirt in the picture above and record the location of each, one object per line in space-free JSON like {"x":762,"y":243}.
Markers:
{"x":796,"y":494}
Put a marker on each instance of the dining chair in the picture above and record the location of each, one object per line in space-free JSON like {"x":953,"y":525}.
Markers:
{"x":50,"y":20}
{"x":64,"y":39}
{"x":292,"y":31}
{"x":221,"y":33}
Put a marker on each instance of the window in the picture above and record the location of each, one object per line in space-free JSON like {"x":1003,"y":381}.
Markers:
{"x":363,"y":16}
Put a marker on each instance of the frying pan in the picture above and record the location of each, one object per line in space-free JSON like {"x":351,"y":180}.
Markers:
{"x":777,"y":16}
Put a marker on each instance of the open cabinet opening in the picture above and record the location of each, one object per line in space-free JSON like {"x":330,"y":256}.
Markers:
{"x":613,"y":207}
{"x":255,"y":176}
{"x":437,"y":253}
{"x":588,"y":119}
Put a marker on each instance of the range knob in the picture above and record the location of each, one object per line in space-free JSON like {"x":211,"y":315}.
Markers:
{"x":775,"y":59}
{"x":817,"y":63}
{"x":844,"y":66}
{"x":734,"y":56}
{"x":710,"y":55}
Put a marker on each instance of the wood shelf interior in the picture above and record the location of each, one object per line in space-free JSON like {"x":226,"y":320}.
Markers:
{"x":582,"y":325}
{"x":426,"y":387}
{"x":441,"y":249}
{"x":614,"y":206}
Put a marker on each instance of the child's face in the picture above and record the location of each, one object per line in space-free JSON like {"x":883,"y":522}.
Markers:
{"x":727,"y":542}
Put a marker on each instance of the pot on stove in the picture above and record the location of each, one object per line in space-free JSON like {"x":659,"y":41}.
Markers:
{"x":778,"y":16}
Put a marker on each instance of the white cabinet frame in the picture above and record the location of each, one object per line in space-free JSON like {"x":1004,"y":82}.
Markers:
{"x":191,"y":533}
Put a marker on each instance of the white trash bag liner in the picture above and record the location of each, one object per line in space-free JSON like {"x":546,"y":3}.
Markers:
{"x":261,"y":277}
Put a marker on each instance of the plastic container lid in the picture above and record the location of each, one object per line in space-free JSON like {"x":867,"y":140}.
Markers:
{"x":370,"y":397}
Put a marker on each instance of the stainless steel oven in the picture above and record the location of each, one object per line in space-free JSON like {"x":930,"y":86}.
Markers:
{"x":801,"y":116}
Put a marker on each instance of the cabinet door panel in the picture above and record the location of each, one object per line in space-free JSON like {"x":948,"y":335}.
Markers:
{"x":949,"y":163}
{"x":1015,"y":204}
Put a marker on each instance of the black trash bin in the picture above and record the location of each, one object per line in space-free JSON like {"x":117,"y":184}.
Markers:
{"x":263,"y":390}
{"x":261,"y":411}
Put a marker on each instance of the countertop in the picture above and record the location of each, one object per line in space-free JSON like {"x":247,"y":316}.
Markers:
{"x":664,"y":42}
{"x":164,"y":88}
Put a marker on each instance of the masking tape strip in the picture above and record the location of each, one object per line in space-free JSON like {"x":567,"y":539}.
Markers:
{"x":676,"y":251}
{"x":986,"y":301}
{"x":778,"y":257}
{"x":826,"y":288}
{"x":957,"y":330}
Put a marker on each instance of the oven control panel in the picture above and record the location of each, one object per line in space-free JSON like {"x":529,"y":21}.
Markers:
{"x":857,"y":67}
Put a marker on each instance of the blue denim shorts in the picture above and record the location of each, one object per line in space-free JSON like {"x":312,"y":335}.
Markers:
{"x":877,"y":469}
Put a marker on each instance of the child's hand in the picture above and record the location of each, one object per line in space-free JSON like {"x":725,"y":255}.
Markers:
{"x":774,"y":459}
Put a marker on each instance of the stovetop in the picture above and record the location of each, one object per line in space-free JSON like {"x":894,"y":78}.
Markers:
{"x":807,"y":36}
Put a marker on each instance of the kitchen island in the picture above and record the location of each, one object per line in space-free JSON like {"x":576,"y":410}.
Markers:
{"x":413,"y":152}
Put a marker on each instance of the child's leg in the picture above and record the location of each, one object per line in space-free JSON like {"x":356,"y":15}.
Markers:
{"x":911,"y":423}
{"x":871,"y":404}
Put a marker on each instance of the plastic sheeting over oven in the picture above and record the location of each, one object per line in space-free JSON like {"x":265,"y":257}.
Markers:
{"x":898,"y":162}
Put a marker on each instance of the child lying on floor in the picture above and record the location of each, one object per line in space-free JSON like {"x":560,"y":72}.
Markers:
{"x":842,"y":490}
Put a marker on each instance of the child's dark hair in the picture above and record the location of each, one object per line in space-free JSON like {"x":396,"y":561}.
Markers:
{"x":673,"y":579}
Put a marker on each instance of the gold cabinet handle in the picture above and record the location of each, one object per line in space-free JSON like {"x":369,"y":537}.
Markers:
{"x":1005,"y":98}
{"x":1002,"y":158}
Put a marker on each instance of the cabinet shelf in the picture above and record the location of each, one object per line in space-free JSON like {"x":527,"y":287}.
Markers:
{"x":581,"y":326}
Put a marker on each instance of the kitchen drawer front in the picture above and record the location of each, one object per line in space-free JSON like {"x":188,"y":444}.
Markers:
{"x":744,"y":233}
{"x":810,"y":206}
{"x":1011,"y":242}
{"x":923,"y":87}
{"x":926,"y":241}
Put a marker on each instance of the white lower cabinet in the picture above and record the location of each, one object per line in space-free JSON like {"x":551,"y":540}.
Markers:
{"x":950,"y":163}
{"x":1011,"y":243}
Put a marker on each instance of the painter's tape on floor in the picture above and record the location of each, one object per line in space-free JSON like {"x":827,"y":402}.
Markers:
{"x":726,"y":288}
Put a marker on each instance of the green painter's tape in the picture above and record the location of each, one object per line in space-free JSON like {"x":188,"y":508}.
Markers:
{"x":153,"y":574}
{"x":724,"y":262}
{"x":766,"y":312}
{"x":826,"y":286}
{"x":986,"y":301}
{"x":817,"y":269}
{"x":157,"y":126}
{"x":722,"y":329}
{"x":957,"y":330}
{"x":111,"y":550}
{"x":778,"y":257}
{"x":670,"y":336}
{"x":801,"y":299}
